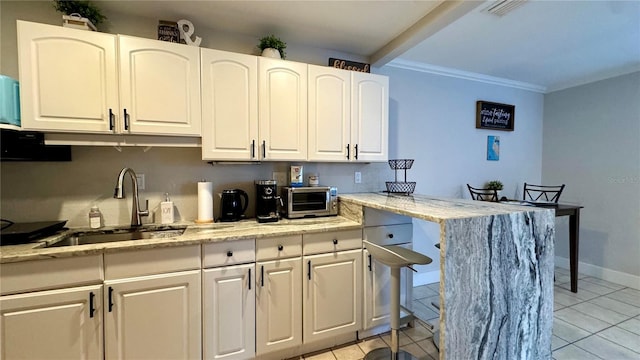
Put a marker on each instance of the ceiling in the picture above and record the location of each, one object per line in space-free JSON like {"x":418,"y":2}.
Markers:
{"x":544,"y":44}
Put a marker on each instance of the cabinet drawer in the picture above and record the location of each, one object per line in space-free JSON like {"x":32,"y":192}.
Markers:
{"x":278,"y":247}
{"x":389,"y":234}
{"x":149,"y":262}
{"x":332,"y":241}
{"x":50,"y":274}
{"x":228,"y":253}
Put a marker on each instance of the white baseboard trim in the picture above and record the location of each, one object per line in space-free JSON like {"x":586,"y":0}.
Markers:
{"x":426,"y":278}
{"x":618,"y":277}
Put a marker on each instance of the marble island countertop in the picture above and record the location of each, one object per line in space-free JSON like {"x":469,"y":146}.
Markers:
{"x":425,"y":207}
{"x":193,"y":234}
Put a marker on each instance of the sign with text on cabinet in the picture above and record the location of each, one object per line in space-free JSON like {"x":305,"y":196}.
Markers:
{"x":349,"y":65}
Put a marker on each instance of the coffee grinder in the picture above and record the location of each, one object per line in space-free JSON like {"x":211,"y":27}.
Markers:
{"x":267,"y":201}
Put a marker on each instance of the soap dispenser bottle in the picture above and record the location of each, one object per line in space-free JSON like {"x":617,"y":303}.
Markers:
{"x":95,"y":217}
{"x":166,"y":210}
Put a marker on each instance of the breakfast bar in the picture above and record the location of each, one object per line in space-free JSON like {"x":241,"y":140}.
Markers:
{"x":496,"y":272}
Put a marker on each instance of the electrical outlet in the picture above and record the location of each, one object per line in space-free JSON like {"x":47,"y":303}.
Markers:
{"x":358,"y":177}
{"x":140,"y":179}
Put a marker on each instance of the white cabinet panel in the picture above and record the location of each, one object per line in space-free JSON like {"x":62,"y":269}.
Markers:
{"x":229,"y":106}
{"x":55,"y":324}
{"x":332,"y":294}
{"x":159,"y":87}
{"x":377,"y":290}
{"x":370,"y":116}
{"x":153,"y":317}
{"x":278,"y":305}
{"x":89,"y":82}
{"x":68,"y":78}
{"x":229,"y":312}
{"x":329,"y":113}
{"x":282,"y":109}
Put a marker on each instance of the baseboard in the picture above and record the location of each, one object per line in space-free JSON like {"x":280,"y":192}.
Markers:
{"x":426,"y":278}
{"x":618,"y":277}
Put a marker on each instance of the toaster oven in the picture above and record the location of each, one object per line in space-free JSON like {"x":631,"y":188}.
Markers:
{"x":313,"y":201}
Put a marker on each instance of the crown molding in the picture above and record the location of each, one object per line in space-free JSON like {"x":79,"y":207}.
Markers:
{"x":466,"y":75}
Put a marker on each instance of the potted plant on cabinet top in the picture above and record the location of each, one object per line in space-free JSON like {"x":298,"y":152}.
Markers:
{"x":495,"y":185}
{"x":79,"y":14}
{"x":272,"y":46}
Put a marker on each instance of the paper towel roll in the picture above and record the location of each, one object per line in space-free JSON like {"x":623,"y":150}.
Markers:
{"x":205,"y":202}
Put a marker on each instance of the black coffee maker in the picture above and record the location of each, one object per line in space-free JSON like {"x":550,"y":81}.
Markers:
{"x":232,"y":206}
{"x":266,"y":201}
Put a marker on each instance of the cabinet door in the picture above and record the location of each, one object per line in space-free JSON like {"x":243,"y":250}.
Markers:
{"x":229,"y":106}
{"x":153,"y":317}
{"x":229,"y":305}
{"x":332,"y":294}
{"x":159,"y":87}
{"x":377,"y":290}
{"x":278,"y":305}
{"x":369,"y":116}
{"x":56,"y":324}
{"x":282,"y":109}
{"x":329,"y":113}
{"x":68,"y":78}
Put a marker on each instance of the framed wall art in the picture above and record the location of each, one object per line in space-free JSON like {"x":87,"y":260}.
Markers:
{"x":493,"y":148}
{"x":495,"y":116}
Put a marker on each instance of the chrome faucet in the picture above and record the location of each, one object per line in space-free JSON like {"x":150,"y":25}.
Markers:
{"x":136,"y":213}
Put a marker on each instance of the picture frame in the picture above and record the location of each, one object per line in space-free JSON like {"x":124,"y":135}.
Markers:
{"x":495,"y":116}
{"x":493,"y":148}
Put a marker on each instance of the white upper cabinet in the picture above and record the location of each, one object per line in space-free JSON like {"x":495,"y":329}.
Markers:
{"x":329,"y":113}
{"x":68,"y":78}
{"x":74,"y":81}
{"x":348,"y":115}
{"x":229,"y":105}
{"x":159,"y":87}
{"x":282,"y":109}
{"x":369,"y":117}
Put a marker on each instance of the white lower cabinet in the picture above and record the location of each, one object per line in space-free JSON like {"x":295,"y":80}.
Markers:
{"x":377,"y":277}
{"x":153,"y":317}
{"x":332,"y":294}
{"x":278,"y":293}
{"x":278,"y":305}
{"x":229,"y":300}
{"x":377,"y":290}
{"x":152,"y":304}
{"x":54,"y":324}
{"x":332,"y":290}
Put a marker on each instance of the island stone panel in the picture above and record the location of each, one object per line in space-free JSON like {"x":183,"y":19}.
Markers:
{"x":497,"y":286}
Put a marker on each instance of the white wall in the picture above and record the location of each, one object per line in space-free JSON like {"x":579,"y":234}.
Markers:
{"x":592,"y":144}
{"x":433,"y":119}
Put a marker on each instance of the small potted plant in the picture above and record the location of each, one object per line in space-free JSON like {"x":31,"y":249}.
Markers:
{"x":495,"y":185}
{"x":272,"y":46}
{"x":79,"y":14}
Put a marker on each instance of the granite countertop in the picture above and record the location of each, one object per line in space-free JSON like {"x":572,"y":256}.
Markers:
{"x":430,"y":208}
{"x":194,"y":234}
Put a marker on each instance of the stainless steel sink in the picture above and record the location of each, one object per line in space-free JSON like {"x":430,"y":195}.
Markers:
{"x":104,"y":236}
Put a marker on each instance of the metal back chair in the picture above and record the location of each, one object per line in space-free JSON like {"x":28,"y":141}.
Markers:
{"x":483,"y":194}
{"x":542,"y":192}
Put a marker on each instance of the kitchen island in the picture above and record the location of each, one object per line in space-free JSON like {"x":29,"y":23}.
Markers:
{"x":496,"y":272}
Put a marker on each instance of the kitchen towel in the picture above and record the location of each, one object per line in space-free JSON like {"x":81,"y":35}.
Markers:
{"x":205,"y":202}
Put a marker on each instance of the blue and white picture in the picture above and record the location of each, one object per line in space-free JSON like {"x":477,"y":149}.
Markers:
{"x":493,"y":148}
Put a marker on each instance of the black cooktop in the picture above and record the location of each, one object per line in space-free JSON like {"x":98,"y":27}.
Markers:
{"x":20,"y":233}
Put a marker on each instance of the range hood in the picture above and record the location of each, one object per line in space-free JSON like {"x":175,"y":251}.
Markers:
{"x":29,"y":146}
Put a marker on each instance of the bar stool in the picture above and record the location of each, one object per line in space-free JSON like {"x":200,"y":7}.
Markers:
{"x":395,"y":257}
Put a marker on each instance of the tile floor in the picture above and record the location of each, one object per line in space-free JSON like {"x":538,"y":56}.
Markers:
{"x":601,"y":321}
